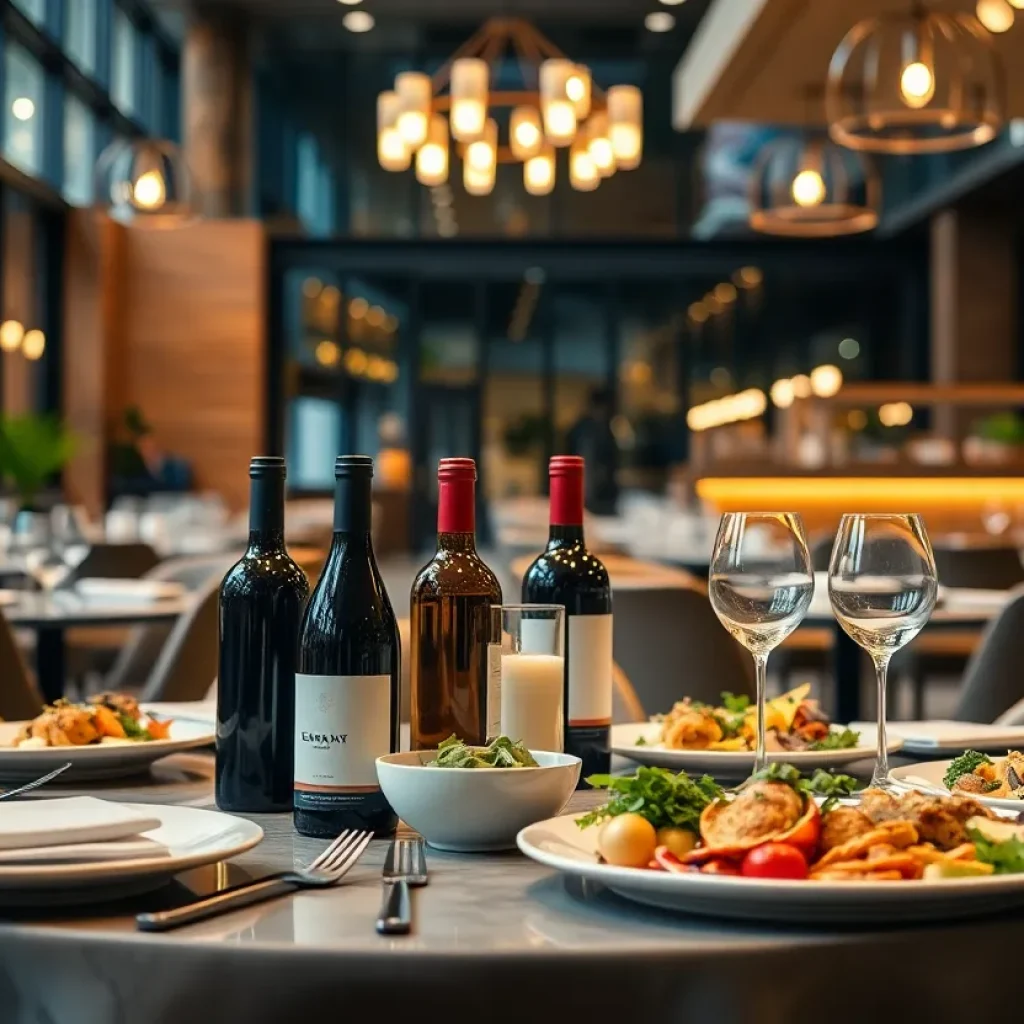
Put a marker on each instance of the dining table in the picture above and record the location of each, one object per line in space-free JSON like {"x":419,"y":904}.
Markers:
{"x":496,"y":936}
{"x":51,"y":613}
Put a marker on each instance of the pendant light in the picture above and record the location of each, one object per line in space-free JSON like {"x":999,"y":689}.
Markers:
{"x":145,"y":183}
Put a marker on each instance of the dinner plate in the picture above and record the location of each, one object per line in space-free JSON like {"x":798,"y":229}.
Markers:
{"x":99,"y":761}
{"x":943,"y":738}
{"x":192,"y":838}
{"x":560,"y":844}
{"x":730,"y":763}
{"x":128,"y":591}
{"x":927,"y":777}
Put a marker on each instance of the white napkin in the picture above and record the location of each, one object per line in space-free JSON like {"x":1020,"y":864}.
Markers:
{"x":60,"y":822}
{"x":138,"y":848}
{"x":940,"y":734}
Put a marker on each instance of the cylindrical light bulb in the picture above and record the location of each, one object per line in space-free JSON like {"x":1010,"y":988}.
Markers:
{"x":414,"y":93}
{"x":583,"y":173}
{"x":539,"y":172}
{"x":33,"y":345}
{"x":917,"y":84}
{"x":482,"y":155}
{"x":826,"y":380}
{"x":526,"y":136}
{"x":11,"y":334}
{"x":625,"y":125}
{"x":392,"y":152}
{"x":995,"y":15}
{"x":150,"y":191}
{"x":808,"y":188}
{"x":469,"y":85}
{"x":577,"y":90}
{"x":477,"y":182}
{"x":600,"y":145}
{"x":432,"y":156}
{"x":559,"y":111}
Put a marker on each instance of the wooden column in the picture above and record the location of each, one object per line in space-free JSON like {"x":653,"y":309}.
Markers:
{"x":974,"y":305}
{"x":217,"y":111}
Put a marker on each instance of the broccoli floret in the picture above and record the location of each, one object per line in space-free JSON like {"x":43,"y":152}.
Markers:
{"x":966,"y":764}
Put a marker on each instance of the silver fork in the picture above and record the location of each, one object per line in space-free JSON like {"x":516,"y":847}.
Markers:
{"x":328,"y":869}
{"x":10,"y":794}
{"x":404,"y":866}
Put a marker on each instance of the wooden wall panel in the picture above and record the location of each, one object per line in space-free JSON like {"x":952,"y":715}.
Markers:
{"x":193,"y":322}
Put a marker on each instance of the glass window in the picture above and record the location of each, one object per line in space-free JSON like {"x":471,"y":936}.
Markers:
{"x":22,"y":291}
{"x":79,"y":151}
{"x":123,"y":85}
{"x":34,"y":9}
{"x":313,"y":442}
{"x":23,"y":110}
{"x":80,"y":23}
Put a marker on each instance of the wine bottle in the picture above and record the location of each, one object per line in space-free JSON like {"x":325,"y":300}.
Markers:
{"x":567,"y":573}
{"x":347,"y":685}
{"x":261,"y":602}
{"x":451,"y":622}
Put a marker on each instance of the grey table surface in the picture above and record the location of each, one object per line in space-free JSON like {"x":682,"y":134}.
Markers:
{"x":65,"y":609}
{"x":496,"y":936}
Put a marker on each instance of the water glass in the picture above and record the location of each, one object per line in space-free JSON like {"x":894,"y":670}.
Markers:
{"x":526,"y":691}
{"x":882,"y":585}
{"x":760,"y":584}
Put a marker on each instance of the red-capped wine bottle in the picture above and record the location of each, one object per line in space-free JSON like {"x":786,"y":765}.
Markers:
{"x":451,"y":620}
{"x":567,"y":573}
{"x":347,"y":686}
{"x":261,"y":602}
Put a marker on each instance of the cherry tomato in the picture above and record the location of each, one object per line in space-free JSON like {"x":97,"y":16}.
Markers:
{"x":774,"y":860}
{"x":627,"y":841}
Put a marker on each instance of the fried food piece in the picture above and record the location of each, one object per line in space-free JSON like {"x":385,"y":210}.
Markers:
{"x":970,"y":783}
{"x":938,"y":820}
{"x":696,"y":729}
{"x":761,"y":809}
{"x":842,"y":824}
{"x":896,"y":835}
{"x":119,"y":703}
{"x":107,"y":723}
{"x":63,"y":726}
{"x":835,"y":875}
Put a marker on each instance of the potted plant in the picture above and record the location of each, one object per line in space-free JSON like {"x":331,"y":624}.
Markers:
{"x":995,"y":439}
{"x":32,"y":449}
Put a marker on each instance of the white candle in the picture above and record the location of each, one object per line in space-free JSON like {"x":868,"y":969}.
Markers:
{"x":531,"y":699}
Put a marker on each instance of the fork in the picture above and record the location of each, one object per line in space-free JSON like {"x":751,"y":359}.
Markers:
{"x":10,"y":794}
{"x":404,"y":866}
{"x":328,"y":869}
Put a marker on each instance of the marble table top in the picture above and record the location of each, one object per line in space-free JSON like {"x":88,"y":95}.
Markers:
{"x":494,"y":934}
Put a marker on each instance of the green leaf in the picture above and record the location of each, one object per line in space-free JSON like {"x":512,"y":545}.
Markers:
{"x":656,"y":794}
{"x":32,"y":449}
{"x":1006,"y":857}
{"x":966,"y":764}
{"x":500,"y":753}
{"x":735,"y":704}
{"x":640,"y":742}
{"x":837,"y":739}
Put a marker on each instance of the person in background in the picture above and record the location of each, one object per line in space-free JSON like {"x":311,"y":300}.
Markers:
{"x":139,"y":466}
{"x":592,"y":438}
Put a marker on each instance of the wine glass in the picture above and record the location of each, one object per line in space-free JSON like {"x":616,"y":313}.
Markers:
{"x":882,"y":585}
{"x":760,"y":585}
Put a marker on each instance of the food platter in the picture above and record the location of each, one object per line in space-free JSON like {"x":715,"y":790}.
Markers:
{"x":730,"y":763}
{"x":560,"y":844}
{"x":928,"y":778}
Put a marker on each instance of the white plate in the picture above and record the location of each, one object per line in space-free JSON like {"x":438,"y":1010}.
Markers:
{"x":101,"y":761}
{"x":927,"y":777}
{"x":941,"y":738}
{"x":128,"y":591}
{"x":731,"y":763}
{"x":558,"y":843}
{"x":193,"y":837}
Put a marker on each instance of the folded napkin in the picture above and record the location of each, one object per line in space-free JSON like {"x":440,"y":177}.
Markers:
{"x":77,"y":819}
{"x":940,"y":734}
{"x":139,"y":848}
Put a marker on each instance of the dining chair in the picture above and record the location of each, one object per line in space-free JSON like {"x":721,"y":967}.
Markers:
{"x":992,"y":681}
{"x":19,"y":698}
{"x":114,"y":561}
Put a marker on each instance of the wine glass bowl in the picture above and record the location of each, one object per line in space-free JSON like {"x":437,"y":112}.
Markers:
{"x":760,"y":584}
{"x":882,"y":585}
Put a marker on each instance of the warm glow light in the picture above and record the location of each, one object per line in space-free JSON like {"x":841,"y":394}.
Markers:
{"x":583,"y":173}
{"x":698,"y":312}
{"x":33,"y":345}
{"x":525,"y":133}
{"x":375,"y":316}
{"x":782,"y":393}
{"x":312,"y":287}
{"x":856,"y":419}
{"x":482,"y":155}
{"x":392,"y":152}
{"x":659,"y":21}
{"x":11,"y":334}
{"x":577,"y":89}
{"x":895,"y":414}
{"x":558,"y":109}
{"x":917,"y":84}
{"x":476,"y":181}
{"x":574,"y":88}
{"x":748,"y":277}
{"x":358,"y":308}
{"x":356,"y":361}
{"x":995,"y":15}
{"x":625,"y":124}
{"x":327,"y":353}
{"x":414,"y":94}
{"x":23,"y":108}
{"x":432,"y":156}
{"x":826,"y":380}
{"x":725,"y":293}
{"x":802,"y":386}
{"x":559,"y":122}
{"x":469,"y":85}
{"x":808,"y":187}
{"x":539,"y":172}
{"x":149,"y":192}
{"x":600,"y":145}
{"x":731,"y":409}
{"x":358,"y":21}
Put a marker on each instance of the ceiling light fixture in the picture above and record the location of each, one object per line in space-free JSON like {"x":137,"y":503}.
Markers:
{"x":921,"y":82}
{"x":23,"y":108}
{"x":358,"y":21}
{"x":659,"y":21}
{"x":995,"y":15}
{"x":558,"y":106}
{"x":145,"y":183}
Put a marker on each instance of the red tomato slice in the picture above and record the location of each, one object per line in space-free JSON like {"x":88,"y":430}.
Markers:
{"x":775,"y":860}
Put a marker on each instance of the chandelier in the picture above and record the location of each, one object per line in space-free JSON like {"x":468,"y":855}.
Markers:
{"x":921,"y":82}
{"x":812,"y":189}
{"x":558,"y":108}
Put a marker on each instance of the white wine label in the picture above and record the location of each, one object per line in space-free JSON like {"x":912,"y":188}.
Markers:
{"x":493,"y":691}
{"x":342,"y":725}
{"x":590,"y":670}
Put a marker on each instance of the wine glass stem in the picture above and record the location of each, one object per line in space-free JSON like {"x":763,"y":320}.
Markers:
{"x":880,"y":777}
{"x":761,"y":675}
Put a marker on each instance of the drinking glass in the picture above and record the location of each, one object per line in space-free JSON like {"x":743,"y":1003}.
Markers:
{"x":761,"y":585}
{"x":882,"y":585}
{"x":528,"y":675}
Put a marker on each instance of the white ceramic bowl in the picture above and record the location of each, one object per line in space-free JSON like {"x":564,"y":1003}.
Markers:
{"x":475,"y":809}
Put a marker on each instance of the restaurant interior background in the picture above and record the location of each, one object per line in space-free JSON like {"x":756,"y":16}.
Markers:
{"x":296,"y":297}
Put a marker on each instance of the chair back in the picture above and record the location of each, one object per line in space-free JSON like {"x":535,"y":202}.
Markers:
{"x":189,"y":660}
{"x":992,"y":680}
{"x":19,"y":698}
{"x":114,"y":561}
{"x":669,"y":643}
{"x":982,"y":567}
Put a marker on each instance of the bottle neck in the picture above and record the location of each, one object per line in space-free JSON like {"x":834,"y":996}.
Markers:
{"x":562,"y":536}
{"x":353,"y":506}
{"x":455,"y":541}
{"x":266,"y":511}
{"x":456,"y":507}
{"x":566,"y":508}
